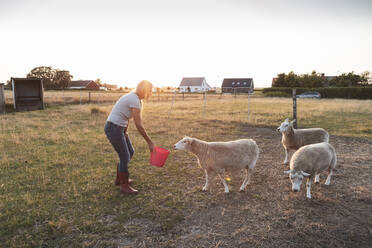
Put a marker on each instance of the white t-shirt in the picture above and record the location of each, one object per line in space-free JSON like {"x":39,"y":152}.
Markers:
{"x":120,"y":113}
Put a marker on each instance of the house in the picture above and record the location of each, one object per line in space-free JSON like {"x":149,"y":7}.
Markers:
{"x":327,"y":79}
{"x":273,"y":82}
{"x":84,"y":85}
{"x":194,"y":84}
{"x":237,"y":85}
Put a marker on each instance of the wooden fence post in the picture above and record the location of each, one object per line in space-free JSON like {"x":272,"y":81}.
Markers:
{"x":248,"y":106}
{"x":294,"y":108}
{"x":171,"y":108}
{"x":205,"y":101}
{"x":89,"y":97}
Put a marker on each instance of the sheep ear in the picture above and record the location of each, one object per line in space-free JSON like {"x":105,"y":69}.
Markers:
{"x":305,"y":174}
{"x":295,"y":120}
{"x":286,"y":120}
{"x":288,"y":171}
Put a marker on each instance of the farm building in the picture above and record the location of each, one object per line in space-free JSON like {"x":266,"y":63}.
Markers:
{"x":237,"y":85}
{"x":326,"y":80}
{"x":84,"y":85}
{"x":194,"y":84}
{"x":28,"y":94}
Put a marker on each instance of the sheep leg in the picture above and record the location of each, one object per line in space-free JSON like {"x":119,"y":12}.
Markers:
{"x":286,"y":161}
{"x":247,"y":180}
{"x":316,"y":180}
{"x":224,"y":183}
{"x":308,"y":188}
{"x":328,"y":181}
{"x":208,"y":177}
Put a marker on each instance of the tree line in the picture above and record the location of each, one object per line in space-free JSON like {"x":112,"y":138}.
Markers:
{"x":318,"y":80}
{"x":55,"y":79}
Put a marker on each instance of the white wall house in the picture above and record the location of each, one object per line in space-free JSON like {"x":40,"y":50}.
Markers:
{"x":194,"y":84}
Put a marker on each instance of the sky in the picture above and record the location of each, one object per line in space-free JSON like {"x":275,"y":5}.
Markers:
{"x":123,"y":42}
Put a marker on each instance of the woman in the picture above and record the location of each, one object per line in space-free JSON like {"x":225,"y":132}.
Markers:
{"x":127,"y":107}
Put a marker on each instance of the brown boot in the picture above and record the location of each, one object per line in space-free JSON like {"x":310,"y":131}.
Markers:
{"x":124,"y":184}
{"x":117,"y":180}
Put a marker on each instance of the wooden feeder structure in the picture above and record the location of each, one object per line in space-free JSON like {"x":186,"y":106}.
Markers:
{"x":2,"y":99}
{"x":28,"y":94}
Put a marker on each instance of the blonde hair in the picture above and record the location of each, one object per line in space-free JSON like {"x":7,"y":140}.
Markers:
{"x":144,"y":88}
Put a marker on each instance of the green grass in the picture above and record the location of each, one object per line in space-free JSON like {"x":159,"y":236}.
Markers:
{"x":57,"y":168}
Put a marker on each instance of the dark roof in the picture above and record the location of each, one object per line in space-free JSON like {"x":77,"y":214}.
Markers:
{"x":192,"y":81}
{"x":238,"y":82}
{"x":25,"y":79}
{"x":80,"y":83}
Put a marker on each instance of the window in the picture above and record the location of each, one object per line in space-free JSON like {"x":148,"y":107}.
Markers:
{"x":245,"y":83}
{"x":238,"y":83}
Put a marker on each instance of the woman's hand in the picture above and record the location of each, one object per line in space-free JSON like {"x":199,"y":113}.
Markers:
{"x":151,"y":146}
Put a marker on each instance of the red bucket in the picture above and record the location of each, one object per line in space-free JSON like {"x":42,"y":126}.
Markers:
{"x":158,"y":156}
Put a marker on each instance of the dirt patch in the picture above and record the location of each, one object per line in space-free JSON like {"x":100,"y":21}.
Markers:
{"x":268,"y":214}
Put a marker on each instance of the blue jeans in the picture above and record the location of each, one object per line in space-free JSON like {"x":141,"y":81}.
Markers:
{"x":121,"y":143}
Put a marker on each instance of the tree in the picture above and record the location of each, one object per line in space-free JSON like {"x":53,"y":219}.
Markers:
{"x":367,"y":76}
{"x":98,"y":81}
{"x":349,"y":79}
{"x":292,"y":80}
{"x":8,"y":85}
{"x":280,"y":80}
{"x":46,"y":73}
{"x":313,"y":80}
{"x":62,"y":79}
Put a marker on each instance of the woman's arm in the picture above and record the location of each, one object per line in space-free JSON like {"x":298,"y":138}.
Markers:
{"x":136,"y":113}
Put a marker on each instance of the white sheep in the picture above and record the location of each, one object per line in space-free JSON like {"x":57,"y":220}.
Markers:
{"x":218,"y":157}
{"x":293,"y":139}
{"x":309,"y":161}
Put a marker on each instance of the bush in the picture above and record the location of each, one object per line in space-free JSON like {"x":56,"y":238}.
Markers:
{"x":278,"y":94}
{"x":329,"y":92}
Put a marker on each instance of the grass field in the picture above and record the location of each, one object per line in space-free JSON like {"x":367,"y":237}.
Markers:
{"x":57,"y":173}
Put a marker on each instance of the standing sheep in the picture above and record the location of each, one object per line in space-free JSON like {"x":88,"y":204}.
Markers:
{"x":309,"y":161}
{"x":218,"y":157}
{"x":293,"y":139}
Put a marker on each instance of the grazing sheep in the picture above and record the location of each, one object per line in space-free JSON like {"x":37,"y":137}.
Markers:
{"x":309,"y":161}
{"x":218,"y":157}
{"x":293,"y":139}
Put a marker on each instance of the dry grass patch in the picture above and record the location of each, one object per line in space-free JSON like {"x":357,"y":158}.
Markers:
{"x":57,"y":172}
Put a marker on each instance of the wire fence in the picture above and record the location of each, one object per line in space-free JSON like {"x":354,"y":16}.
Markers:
{"x":83,"y":97}
{"x":55,"y":98}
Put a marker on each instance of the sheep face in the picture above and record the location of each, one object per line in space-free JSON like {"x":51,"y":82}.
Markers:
{"x":296,"y":178}
{"x":184,"y":144}
{"x":285,"y":126}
